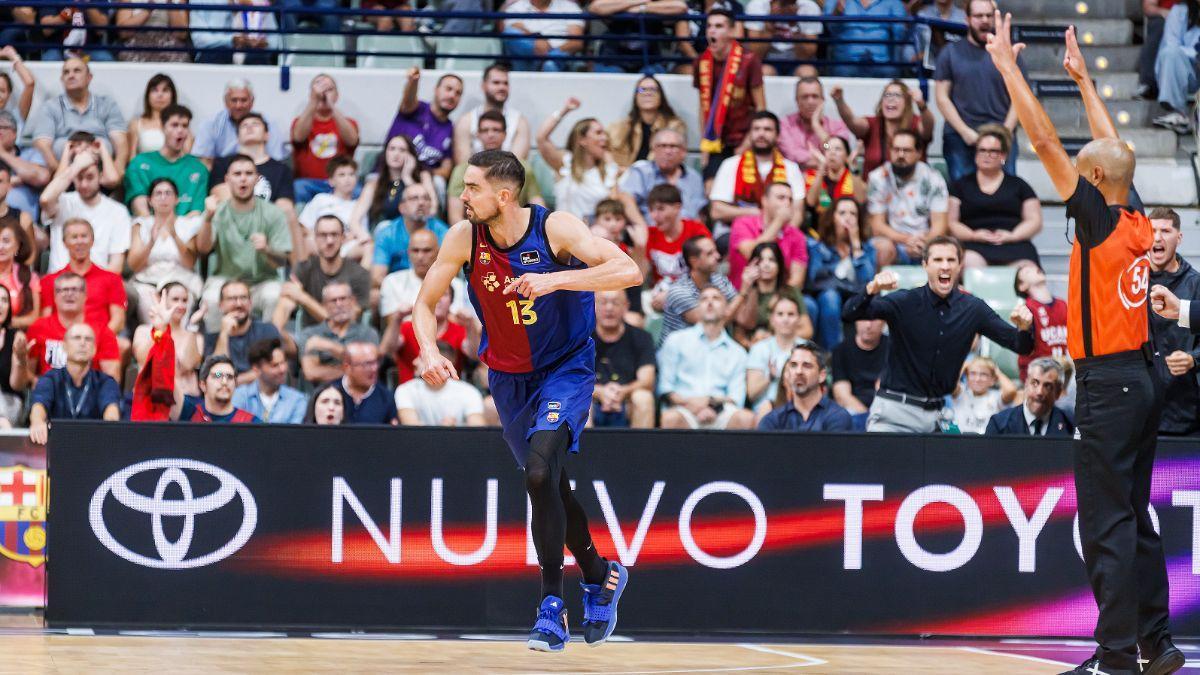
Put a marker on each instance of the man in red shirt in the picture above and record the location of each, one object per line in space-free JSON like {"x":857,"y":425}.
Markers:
{"x":401,"y":341}
{"x":1049,"y":316}
{"x":47,"y":334}
{"x":729,"y":79}
{"x":319,"y":134}
{"x":664,"y":243}
{"x":105,"y":290}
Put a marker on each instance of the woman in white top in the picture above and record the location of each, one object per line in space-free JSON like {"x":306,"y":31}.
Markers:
{"x":587,"y":174}
{"x":975,"y":405}
{"x":162,"y":247}
{"x":146,"y":131}
{"x":28,"y":84}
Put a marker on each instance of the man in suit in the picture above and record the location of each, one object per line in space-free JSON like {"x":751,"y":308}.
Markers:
{"x":1037,"y":416}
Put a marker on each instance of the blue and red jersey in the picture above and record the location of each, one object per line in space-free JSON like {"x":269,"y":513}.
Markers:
{"x":519,"y":335}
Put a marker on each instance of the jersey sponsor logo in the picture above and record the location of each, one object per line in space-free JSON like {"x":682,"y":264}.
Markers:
{"x":554,"y":405}
{"x":490,"y":281}
{"x":530,"y":257}
{"x":485,"y":258}
{"x":1134,"y":282}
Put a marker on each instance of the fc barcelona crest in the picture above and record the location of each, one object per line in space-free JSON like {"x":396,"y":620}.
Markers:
{"x":485,"y":258}
{"x":23,"y":497}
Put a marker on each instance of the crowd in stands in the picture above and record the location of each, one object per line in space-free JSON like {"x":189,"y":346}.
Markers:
{"x":283,"y":275}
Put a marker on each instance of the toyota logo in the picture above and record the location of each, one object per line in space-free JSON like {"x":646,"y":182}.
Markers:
{"x":173,"y":555}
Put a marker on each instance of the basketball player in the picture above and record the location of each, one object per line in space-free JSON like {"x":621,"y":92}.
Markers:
{"x":1118,"y":402}
{"x":531,"y":274}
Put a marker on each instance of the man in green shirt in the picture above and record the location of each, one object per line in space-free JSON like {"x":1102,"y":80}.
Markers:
{"x":251,"y":239}
{"x":491,"y":134}
{"x":172,"y":161}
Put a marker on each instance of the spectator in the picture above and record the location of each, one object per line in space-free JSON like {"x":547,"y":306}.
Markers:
{"x":268,"y":397}
{"x":78,"y":109}
{"x":836,"y":178}
{"x":326,"y":406}
{"x":805,"y":405}
{"x":453,"y":403}
{"x":556,"y":38}
{"x":428,"y":125}
{"x":666,"y":167}
{"x":274,"y":183}
{"x":692,"y":35}
{"x":302,"y":14}
{"x":491,"y":133}
{"x":383,"y":191}
{"x":14,"y":366}
{"x":321,"y":133}
{"x":762,"y":284}
{"x":893,"y":113}
{"x":1176,"y":349}
{"x":343,"y":178}
{"x":1175,"y":66}
{"x":230,"y":225}
{"x":795,"y":41}
{"x":220,"y":35}
{"x":162,"y":248}
{"x":391,"y":238}
{"x":1049,"y":315}
{"x":456,"y":328}
{"x":171,"y":161}
{"x":172,"y":300}
{"x":217,"y":384}
{"x":729,"y":80}
{"x":106,"y":292}
{"x":975,"y":404}
{"x":1037,"y":416}
{"x":74,"y":391}
{"x":82,"y":170}
{"x":971,"y":93}
{"x":238,"y":330}
{"x":312,"y":275}
{"x":682,"y":305}
{"x":467,"y":133}
{"x":16,"y":276}
{"x":79,"y":31}
{"x":586,"y":172}
{"x":321,"y":346}
{"x":664,"y":244}
{"x":841,"y":261}
{"x":636,"y":55}
{"x":20,"y":19}
{"x":401,"y":24}
{"x":365,"y":402}
{"x":1155,"y":19}
{"x":774,"y":223}
{"x":907,"y":202}
{"x":737,"y":190}
{"x":399,"y":289}
{"x":931,"y":41}
{"x":809,"y":127}
{"x":631,"y":138}
{"x":625,"y":367}
{"x":857,"y":366}
{"x":764,"y":366}
{"x":146,"y":132}
{"x":218,"y":135}
{"x":995,"y":214}
{"x":28,"y":84}
{"x":46,"y":335}
{"x":9,"y":213}
{"x":27,"y":175}
{"x":932,"y":328}
{"x":703,"y":377}
{"x":154,"y":34}
{"x":866,"y":49}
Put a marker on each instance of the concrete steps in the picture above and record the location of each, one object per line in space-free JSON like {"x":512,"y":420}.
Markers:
{"x":1090,"y":31}
{"x":1159,"y":181}
{"x":1100,"y":60}
{"x":1068,"y":113}
{"x":1023,"y":10}
{"x":1112,"y":86}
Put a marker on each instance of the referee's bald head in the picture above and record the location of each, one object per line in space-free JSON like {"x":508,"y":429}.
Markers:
{"x":1107,"y":162}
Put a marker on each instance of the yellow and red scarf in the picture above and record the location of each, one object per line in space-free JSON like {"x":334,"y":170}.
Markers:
{"x":714,"y":115}
{"x":844,"y":187}
{"x":747,"y":187}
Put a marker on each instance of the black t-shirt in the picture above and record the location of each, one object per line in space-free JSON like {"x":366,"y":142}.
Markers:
{"x":861,"y":368}
{"x":1094,"y":218}
{"x":314,"y":280}
{"x":998,"y":211}
{"x":619,"y":361}
{"x":274,"y":179}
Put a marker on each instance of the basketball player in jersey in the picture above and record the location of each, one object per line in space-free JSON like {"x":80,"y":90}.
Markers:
{"x":1118,"y":402}
{"x":531,"y":274}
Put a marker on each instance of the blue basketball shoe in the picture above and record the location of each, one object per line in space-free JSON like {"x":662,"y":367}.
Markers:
{"x":600,"y":604}
{"x":550,"y":632}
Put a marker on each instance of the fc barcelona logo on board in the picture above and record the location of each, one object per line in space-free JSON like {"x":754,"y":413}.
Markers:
{"x":23,"y":497}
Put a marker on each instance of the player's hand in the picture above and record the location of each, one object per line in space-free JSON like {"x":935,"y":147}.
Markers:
{"x":1000,"y":45}
{"x":884,"y":281}
{"x":435,"y":369}
{"x":1164,"y":302}
{"x":1180,"y":363}
{"x":1073,"y":61}
{"x":531,"y":286}
{"x":1021,"y":317}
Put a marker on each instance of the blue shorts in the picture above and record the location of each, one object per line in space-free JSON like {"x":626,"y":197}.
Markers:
{"x":544,"y":400}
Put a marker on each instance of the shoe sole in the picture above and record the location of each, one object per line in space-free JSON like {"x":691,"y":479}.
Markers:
{"x":543,"y":646}
{"x":612,"y":625}
{"x":1177,"y":128}
{"x":1174,"y":661}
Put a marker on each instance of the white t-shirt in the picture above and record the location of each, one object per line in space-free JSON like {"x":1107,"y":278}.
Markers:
{"x":455,"y":399}
{"x":726,"y":178}
{"x":581,"y":197}
{"x":164,"y":254}
{"x":512,"y":117}
{"x":327,"y":203}
{"x":400,"y":289}
{"x":971,"y":412}
{"x":545,"y":27}
{"x":110,"y":221}
{"x":783,"y":29}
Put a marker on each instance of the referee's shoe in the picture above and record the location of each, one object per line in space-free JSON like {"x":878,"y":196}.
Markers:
{"x":600,"y":604}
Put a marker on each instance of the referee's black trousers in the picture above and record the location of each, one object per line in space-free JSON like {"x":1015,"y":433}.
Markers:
{"x":1117,"y":408}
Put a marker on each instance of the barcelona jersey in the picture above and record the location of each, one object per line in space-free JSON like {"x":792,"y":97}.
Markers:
{"x":520,"y":335}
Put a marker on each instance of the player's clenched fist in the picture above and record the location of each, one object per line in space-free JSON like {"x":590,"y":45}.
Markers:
{"x":1164,"y":302}
{"x":884,"y":281}
{"x":1021,"y":316}
{"x":434,"y":368}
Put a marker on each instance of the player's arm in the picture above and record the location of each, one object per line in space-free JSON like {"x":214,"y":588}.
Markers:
{"x":454,"y":253}
{"x":1033,"y":117}
{"x":608,"y":267}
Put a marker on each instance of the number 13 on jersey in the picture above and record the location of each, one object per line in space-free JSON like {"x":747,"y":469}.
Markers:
{"x":522,"y":312}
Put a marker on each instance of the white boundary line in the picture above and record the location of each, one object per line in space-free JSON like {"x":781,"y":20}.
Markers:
{"x":803,"y":661}
{"x":1025,"y":657}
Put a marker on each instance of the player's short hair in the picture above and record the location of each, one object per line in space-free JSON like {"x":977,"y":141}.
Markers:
{"x":501,"y":166}
{"x":610,"y":207}
{"x":1165,"y":213}
{"x":943,"y":241}
{"x":337,"y":162}
{"x":664,"y":193}
{"x":494,"y":116}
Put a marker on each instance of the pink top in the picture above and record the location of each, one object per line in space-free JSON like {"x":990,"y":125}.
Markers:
{"x":795,"y":138}
{"x":13,"y":284}
{"x":791,"y":241}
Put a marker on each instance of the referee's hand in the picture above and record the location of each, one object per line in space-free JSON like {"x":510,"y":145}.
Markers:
{"x":1164,"y":303}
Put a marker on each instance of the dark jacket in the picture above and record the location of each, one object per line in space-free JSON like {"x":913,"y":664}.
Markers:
{"x":1179,"y":410}
{"x":1011,"y":421}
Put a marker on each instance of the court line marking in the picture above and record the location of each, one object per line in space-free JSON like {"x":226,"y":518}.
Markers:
{"x":1024,"y":657}
{"x":812,"y":660}
{"x":804,"y":662}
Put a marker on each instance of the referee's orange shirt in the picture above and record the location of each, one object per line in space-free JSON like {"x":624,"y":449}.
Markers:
{"x":1110,"y":276}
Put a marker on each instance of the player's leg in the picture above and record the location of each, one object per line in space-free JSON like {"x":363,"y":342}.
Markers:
{"x":579,"y":536}
{"x":548,"y":525}
{"x":603,"y":580}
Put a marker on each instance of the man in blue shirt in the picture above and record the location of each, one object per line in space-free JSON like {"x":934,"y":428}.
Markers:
{"x":75,"y":391}
{"x":267,"y":397}
{"x":856,"y":46}
{"x":391,"y":239}
{"x":366,"y":401}
{"x":670,"y":150}
{"x":810,"y":409}
{"x":218,"y":135}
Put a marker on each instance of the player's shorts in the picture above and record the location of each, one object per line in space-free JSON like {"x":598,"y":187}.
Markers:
{"x":545,"y":399}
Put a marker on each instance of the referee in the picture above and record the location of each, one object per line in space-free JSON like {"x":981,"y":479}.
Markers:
{"x":1118,"y":399}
